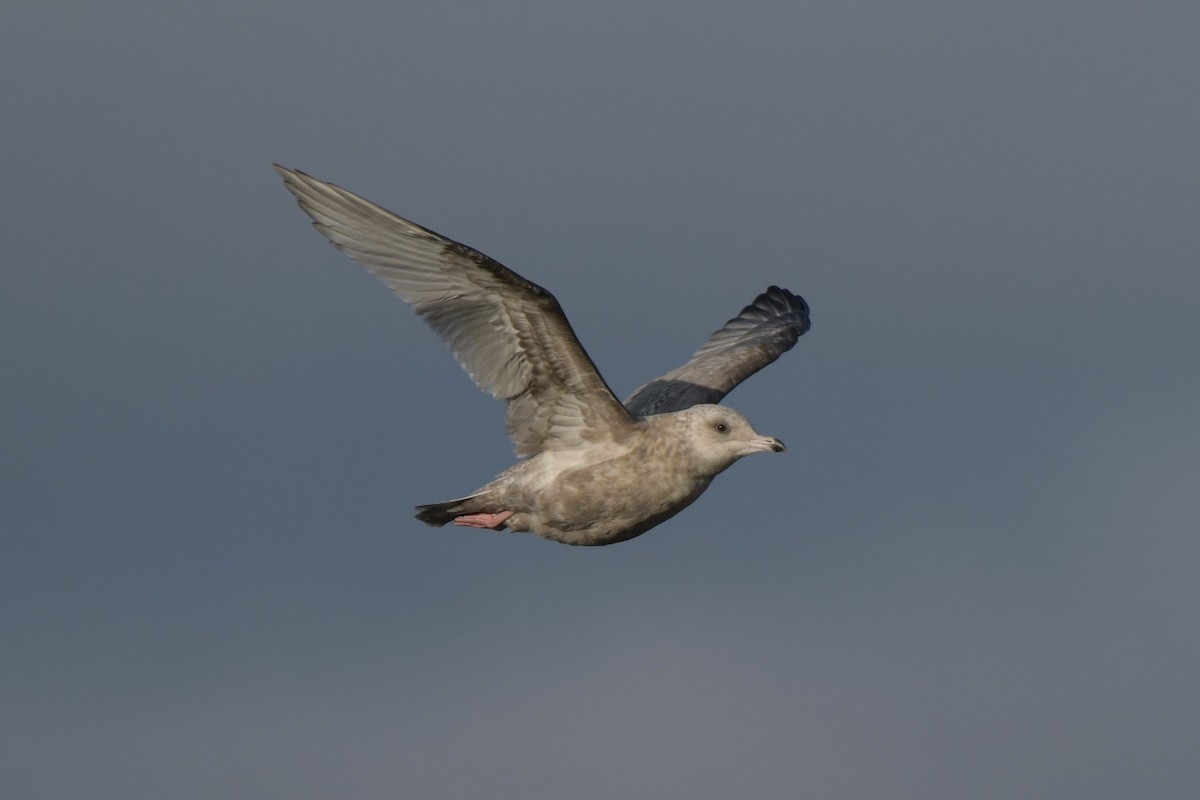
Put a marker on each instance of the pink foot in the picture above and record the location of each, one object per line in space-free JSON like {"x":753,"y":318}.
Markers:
{"x":483,"y":520}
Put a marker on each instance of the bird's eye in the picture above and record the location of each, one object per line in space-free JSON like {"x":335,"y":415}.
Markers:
{"x":722,"y":427}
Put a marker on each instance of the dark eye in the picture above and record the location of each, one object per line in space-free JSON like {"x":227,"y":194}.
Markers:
{"x":722,"y":427}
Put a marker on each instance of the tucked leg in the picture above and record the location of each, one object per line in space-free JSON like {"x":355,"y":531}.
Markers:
{"x":495,"y":521}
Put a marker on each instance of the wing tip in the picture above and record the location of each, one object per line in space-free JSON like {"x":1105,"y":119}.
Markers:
{"x":781,"y":304}
{"x":289,"y":175}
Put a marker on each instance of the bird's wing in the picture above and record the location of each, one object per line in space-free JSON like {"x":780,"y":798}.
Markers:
{"x":509,"y":334}
{"x":762,"y":332}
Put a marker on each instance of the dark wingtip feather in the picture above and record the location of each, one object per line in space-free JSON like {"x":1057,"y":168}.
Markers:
{"x":784,"y":304}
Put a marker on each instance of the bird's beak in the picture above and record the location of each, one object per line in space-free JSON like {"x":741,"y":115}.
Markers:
{"x":766,"y":443}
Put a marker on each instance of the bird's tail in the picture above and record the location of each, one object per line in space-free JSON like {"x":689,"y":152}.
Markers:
{"x":438,"y":514}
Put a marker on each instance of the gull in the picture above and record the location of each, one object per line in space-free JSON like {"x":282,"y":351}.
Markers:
{"x":592,"y":471}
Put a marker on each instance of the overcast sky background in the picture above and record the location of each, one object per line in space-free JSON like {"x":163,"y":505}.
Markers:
{"x":974,"y":574}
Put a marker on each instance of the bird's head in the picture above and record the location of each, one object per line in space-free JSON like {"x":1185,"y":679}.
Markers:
{"x":720,"y":436}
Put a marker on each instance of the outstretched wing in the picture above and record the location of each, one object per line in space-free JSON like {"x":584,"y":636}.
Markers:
{"x":509,"y":334}
{"x":766,"y":329}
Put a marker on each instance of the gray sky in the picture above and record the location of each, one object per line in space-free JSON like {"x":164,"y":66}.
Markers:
{"x":974,"y":574}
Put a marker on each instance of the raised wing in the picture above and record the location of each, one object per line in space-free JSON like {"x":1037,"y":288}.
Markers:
{"x":509,"y":334}
{"x":766,"y":329}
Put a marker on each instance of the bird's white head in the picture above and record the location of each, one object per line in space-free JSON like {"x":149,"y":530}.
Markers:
{"x":720,"y":436}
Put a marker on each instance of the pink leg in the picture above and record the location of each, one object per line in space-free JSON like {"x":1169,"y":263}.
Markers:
{"x":483,"y":520}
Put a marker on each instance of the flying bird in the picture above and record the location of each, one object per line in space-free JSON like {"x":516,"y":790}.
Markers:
{"x":592,"y":471}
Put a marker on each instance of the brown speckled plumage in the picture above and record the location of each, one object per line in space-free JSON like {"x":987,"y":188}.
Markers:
{"x":594,"y":471}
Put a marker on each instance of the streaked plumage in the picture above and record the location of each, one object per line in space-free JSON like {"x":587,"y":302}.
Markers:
{"x":594,"y":471}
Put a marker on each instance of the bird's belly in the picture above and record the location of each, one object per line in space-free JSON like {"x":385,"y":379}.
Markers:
{"x":611,"y":501}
